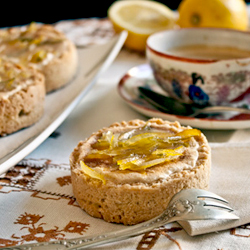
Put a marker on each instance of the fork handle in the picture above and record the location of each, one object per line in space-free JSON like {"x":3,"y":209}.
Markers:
{"x":122,"y":234}
{"x":175,"y":210}
{"x":172,"y":213}
{"x":84,"y":242}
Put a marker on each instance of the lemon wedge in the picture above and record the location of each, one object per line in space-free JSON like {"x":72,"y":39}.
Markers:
{"x":140,"y":18}
{"x":213,"y":13}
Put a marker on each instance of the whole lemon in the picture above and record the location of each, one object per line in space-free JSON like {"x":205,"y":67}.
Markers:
{"x":213,"y":13}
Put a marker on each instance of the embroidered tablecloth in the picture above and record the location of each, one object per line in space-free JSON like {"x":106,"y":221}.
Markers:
{"x":36,"y":199}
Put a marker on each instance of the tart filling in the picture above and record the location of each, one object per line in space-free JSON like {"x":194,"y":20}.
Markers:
{"x":144,"y":154}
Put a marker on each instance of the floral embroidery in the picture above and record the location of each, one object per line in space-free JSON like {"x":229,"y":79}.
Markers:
{"x":149,"y":239}
{"x":28,"y":219}
{"x":37,"y":232}
{"x":241,"y":231}
{"x":76,"y":227}
{"x":65,"y":180}
{"x":40,"y":235}
{"x":7,"y":243}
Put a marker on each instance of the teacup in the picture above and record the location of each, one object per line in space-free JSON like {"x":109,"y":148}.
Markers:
{"x":205,"y":66}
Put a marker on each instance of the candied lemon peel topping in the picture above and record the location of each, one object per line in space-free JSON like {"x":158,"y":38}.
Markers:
{"x":30,"y":42}
{"x":138,"y":149}
{"x":33,"y":35}
{"x":12,"y":74}
{"x":38,"y":56}
{"x":91,"y":172}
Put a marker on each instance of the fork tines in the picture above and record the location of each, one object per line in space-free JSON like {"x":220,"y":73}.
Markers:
{"x":217,"y":205}
{"x":215,"y":202}
{"x":210,"y":195}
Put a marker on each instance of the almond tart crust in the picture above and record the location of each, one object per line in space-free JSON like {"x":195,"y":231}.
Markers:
{"x":135,"y":181}
{"x":22,"y":94}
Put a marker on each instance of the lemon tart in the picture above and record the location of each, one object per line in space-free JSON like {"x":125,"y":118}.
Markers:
{"x":128,"y":172}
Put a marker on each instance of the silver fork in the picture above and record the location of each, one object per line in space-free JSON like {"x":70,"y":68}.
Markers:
{"x":188,"y":204}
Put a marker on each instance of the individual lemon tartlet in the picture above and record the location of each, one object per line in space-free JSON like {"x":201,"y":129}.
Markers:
{"x":128,"y":172}
{"x":22,"y":94}
{"x":45,"y":48}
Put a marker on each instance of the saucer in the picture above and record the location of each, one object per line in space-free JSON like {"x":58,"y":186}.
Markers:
{"x":142,"y":75}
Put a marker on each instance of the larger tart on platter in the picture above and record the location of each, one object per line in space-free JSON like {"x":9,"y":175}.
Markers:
{"x":22,"y":94}
{"x":128,"y":172}
{"x":43,"y":46}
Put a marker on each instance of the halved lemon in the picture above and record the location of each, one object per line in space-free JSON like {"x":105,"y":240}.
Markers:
{"x":140,"y":18}
{"x":213,"y":13}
